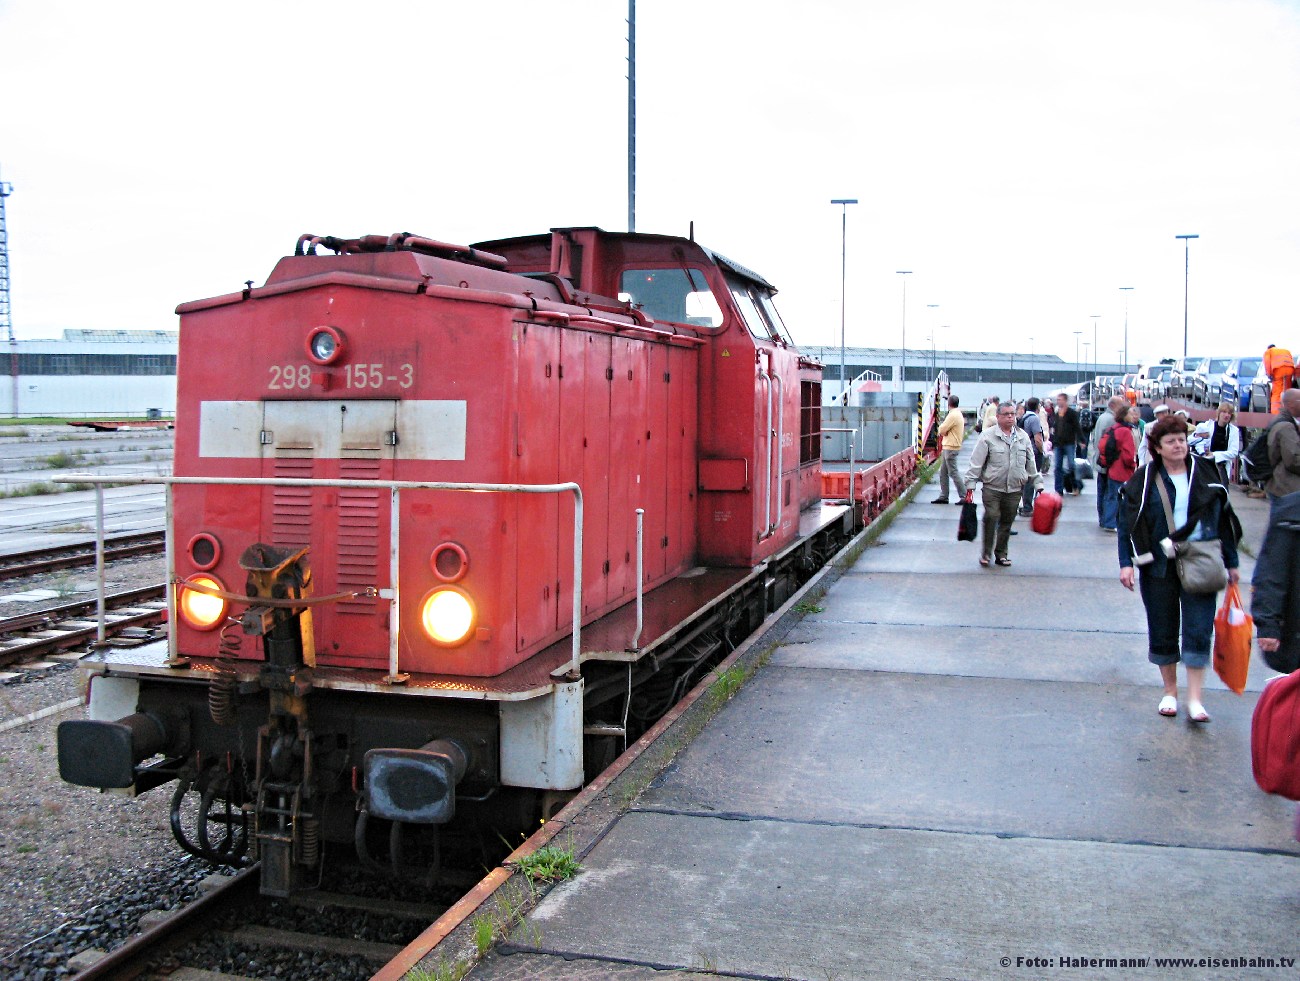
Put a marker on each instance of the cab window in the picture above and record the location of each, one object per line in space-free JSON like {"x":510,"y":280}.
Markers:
{"x":680,"y":295}
{"x":746,"y":296}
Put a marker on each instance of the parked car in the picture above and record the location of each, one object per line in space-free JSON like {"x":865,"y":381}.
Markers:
{"x":1208,"y":378}
{"x":1238,"y":378}
{"x":1181,"y":372}
{"x":1261,"y":390}
{"x":1151,"y":381}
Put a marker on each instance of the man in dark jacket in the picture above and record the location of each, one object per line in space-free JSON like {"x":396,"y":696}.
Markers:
{"x":1275,"y":604}
{"x":1065,"y":433}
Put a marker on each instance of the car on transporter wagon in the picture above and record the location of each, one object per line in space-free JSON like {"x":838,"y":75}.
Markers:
{"x":1238,"y":380}
{"x":1208,"y":380}
{"x":1179,"y":384}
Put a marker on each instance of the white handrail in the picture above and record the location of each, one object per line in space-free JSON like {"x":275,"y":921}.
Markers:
{"x":568,"y":670}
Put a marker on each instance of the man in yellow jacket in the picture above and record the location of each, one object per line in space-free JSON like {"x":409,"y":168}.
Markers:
{"x":951,"y":433}
{"x":1280,"y":367}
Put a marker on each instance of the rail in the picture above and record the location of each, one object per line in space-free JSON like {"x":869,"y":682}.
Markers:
{"x":392,"y":594}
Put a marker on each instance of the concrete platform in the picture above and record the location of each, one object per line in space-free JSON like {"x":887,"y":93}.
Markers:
{"x":944,"y":770}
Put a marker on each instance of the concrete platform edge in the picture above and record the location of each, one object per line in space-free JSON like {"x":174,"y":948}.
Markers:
{"x":450,"y":938}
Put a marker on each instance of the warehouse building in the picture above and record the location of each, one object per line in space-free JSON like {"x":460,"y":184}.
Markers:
{"x":974,"y":375}
{"x":91,"y":373}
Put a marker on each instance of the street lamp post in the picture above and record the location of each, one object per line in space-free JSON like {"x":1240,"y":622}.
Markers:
{"x":1031,"y":365}
{"x":902,"y":380}
{"x":934,"y":371}
{"x":1086,"y":345}
{"x":1186,"y":266}
{"x":1095,"y":349}
{"x":1078,"y":375}
{"x":844,"y":241}
{"x":1126,"y":290}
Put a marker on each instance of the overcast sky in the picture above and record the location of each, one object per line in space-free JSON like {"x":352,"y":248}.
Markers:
{"x":1025,"y":158}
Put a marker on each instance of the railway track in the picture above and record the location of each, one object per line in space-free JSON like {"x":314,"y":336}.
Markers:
{"x":231,"y":932}
{"x":32,"y":636}
{"x":19,"y":564}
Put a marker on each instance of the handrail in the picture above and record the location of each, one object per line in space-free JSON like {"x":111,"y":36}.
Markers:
{"x":569,"y":670}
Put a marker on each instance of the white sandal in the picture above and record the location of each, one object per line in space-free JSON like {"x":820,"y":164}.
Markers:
{"x":1196,"y":712}
{"x":1168,"y":706}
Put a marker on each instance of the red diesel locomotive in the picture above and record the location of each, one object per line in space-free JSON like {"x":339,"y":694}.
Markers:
{"x":355,"y":655}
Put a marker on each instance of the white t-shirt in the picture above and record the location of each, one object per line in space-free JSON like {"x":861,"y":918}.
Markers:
{"x":1182,"y":497}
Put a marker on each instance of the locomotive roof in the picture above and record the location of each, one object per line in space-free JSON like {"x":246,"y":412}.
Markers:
{"x":503,"y":244}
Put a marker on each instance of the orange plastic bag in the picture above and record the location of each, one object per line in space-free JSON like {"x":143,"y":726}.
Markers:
{"x":1233,"y":630}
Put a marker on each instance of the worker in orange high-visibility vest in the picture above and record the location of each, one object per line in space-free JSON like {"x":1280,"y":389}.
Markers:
{"x":1280,"y":367}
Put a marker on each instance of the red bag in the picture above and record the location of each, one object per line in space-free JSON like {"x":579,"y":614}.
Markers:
{"x":1047,"y":508}
{"x":1233,"y":630}
{"x":1275,"y":738}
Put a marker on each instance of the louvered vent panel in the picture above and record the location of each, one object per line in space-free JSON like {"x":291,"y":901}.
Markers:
{"x":358,"y":548}
{"x":291,"y":506}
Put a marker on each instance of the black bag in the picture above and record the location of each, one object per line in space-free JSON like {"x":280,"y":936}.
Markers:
{"x":1256,"y":460}
{"x":1107,"y":449}
{"x":1068,"y":482}
{"x":968,"y":525}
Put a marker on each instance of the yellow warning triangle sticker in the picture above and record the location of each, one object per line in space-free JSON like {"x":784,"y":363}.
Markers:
{"x":726,"y":353}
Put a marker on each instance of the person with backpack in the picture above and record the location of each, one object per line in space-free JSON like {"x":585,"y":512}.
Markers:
{"x":1104,"y":422}
{"x":1275,"y":596}
{"x":1117,"y":455}
{"x":1033,"y":428}
{"x":1284,"y":449}
{"x":1065,"y":434}
{"x":1175,"y":485}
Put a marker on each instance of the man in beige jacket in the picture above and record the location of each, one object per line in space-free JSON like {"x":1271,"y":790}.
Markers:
{"x":1003,"y":462}
{"x":951,"y":433}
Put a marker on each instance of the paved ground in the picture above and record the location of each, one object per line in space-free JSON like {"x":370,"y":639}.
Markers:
{"x":945,"y":770}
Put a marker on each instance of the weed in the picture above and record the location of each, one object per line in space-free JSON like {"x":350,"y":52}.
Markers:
{"x":728,"y":682}
{"x":484,"y":933}
{"x":550,"y":863}
{"x":29,"y":822}
{"x":19,"y":433}
{"x":806,"y":608}
{"x":705,"y":963}
{"x":443,"y":972}
{"x":40,"y":747}
{"x":25,"y":849}
{"x":63,"y":460}
{"x":64,"y":585}
{"x":34,"y":489}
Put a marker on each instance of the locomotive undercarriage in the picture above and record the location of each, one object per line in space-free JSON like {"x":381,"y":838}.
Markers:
{"x":269,"y":767}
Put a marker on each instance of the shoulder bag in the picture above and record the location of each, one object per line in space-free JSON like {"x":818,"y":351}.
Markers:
{"x":1200,"y":564}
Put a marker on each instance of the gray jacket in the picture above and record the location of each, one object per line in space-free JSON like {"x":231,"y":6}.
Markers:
{"x":1000,"y":465}
{"x":1104,"y":422}
{"x":1284,"y":447}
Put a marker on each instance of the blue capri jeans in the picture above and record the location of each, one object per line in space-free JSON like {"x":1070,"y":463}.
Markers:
{"x":1167,"y":603}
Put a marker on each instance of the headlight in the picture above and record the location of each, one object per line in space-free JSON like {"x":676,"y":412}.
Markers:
{"x":202,"y":611}
{"x":325,"y":345}
{"x":447,"y":615}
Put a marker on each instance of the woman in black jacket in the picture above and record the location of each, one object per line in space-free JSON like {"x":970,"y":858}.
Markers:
{"x":1201,"y":512}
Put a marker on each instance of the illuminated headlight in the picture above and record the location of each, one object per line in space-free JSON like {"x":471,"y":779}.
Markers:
{"x":202,"y":611}
{"x":447,"y":615}
{"x":325,"y":345}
